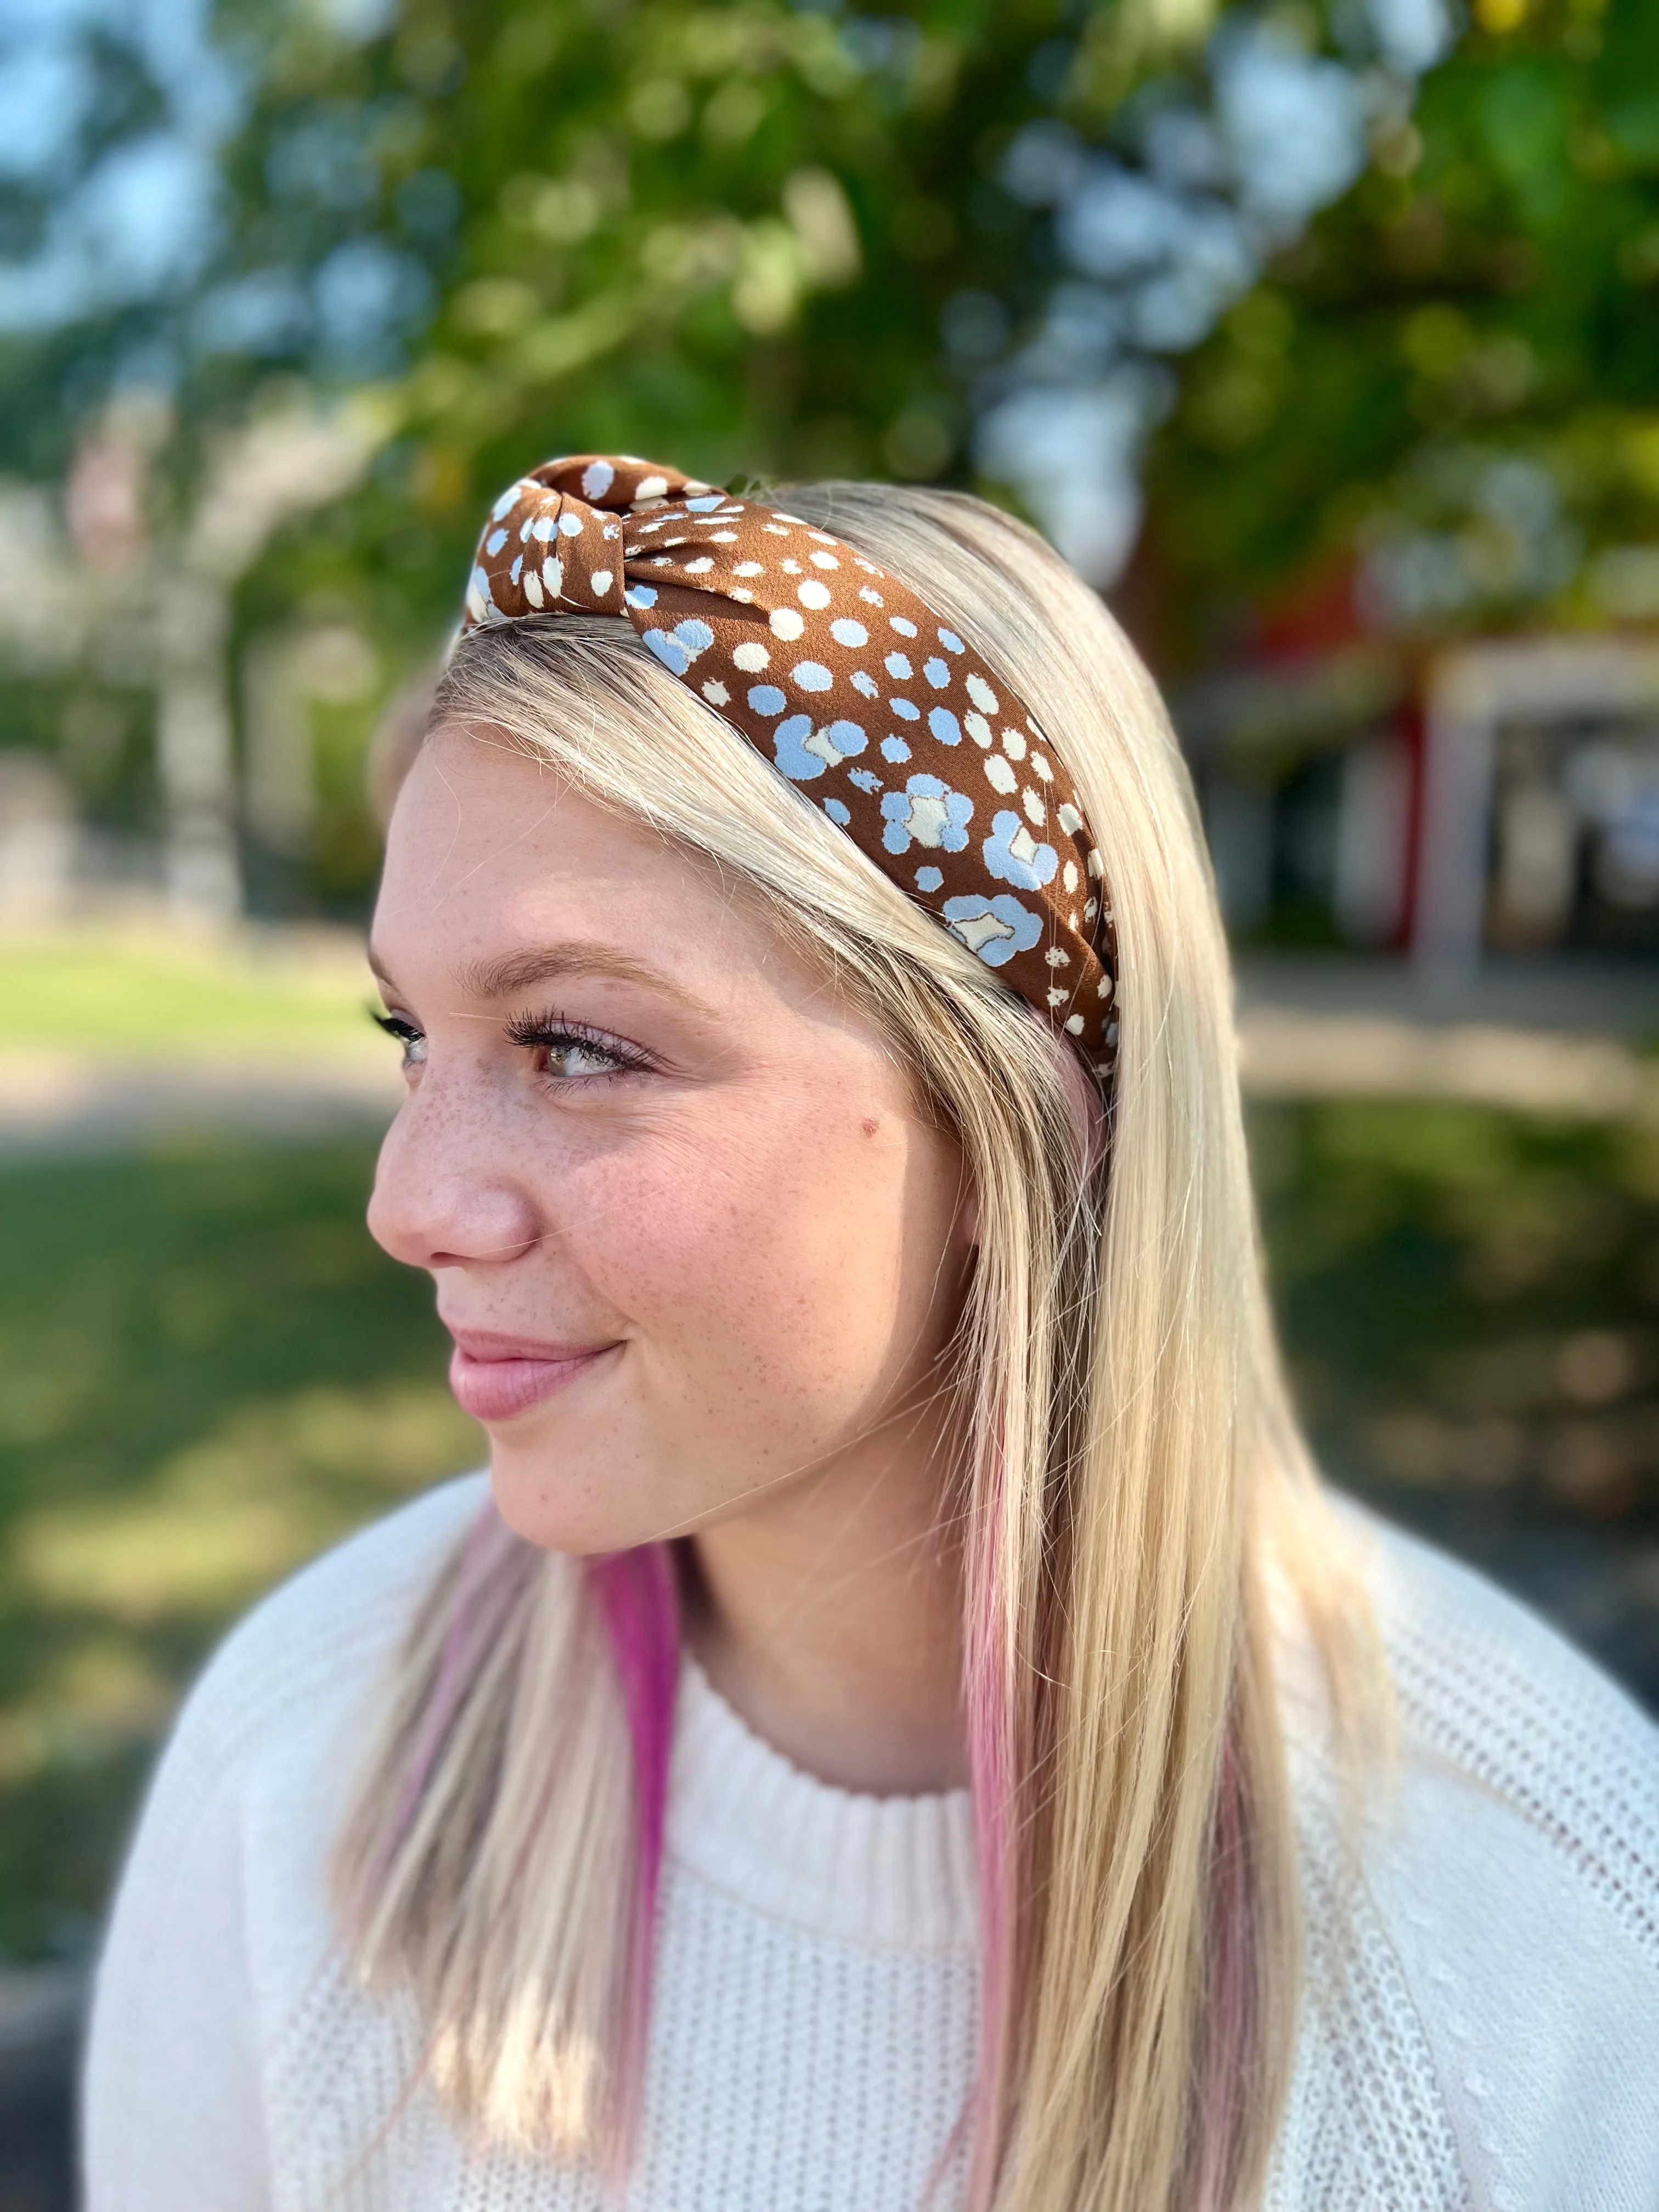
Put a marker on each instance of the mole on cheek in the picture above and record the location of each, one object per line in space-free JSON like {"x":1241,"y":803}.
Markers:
{"x":870,"y":1128}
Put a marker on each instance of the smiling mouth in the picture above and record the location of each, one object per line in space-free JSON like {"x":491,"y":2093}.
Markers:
{"x":493,"y":1385}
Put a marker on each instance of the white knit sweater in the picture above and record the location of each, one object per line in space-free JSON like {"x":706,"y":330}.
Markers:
{"x":1490,"y":2044}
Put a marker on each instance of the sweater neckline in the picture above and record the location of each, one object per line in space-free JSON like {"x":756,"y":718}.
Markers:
{"x":883,"y":1873}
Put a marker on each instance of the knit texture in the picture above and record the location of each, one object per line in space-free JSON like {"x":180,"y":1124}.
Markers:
{"x":1484,"y":2037}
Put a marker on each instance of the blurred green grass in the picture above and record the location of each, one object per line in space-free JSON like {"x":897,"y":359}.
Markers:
{"x":207,"y":1372}
{"x":134,"y":993}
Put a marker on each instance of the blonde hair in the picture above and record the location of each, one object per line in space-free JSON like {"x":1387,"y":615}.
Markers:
{"x":1132,"y":1478}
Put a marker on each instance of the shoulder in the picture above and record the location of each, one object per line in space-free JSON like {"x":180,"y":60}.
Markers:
{"x":221,"y":1935}
{"x":1503,"y":1938}
{"x":297,"y":1662}
{"x":1500,"y":1718}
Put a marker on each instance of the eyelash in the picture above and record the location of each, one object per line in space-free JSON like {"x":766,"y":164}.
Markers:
{"x":544,"y":1033}
{"x":533,"y":1032}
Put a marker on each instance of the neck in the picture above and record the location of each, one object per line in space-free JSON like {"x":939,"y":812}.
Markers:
{"x":830,"y":1619}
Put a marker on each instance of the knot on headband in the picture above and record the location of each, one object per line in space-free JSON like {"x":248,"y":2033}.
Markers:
{"x":850,"y":685}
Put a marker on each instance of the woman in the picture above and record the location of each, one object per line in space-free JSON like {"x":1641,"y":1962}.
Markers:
{"x":899,"y":1725}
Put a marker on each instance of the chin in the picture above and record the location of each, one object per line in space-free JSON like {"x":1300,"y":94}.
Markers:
{"x":571,"y":1501}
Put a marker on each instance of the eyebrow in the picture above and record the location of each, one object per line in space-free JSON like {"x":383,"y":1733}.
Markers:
{"x":520,"y":971}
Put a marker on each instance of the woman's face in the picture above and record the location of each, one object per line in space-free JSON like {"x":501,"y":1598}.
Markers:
{"x":691,"y":1234}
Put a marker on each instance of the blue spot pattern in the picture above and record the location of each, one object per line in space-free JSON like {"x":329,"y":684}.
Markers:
{"x":790,"y":754}
{"x":928,"y":812}
{"x":1031,"y":866}
{"x":994,"y":929}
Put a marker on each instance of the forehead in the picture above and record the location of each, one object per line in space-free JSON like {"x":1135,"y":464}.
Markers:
{"x":489,"y":848}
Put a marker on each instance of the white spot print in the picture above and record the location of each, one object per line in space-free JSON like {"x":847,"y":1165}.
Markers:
{"x":812,"y":595}
{"x":553,"y":576}
{"x":750,"y":569}
{"x":1104,"y":988}
{"x":902,"y":625}
{"x":823,"y":560}
{"x":868,"y":567}
{"x":724,"y":538}
{"x":929,"y":879}
{"x":837,"y":742}
{"x":897,"y":665}
{"x":545,"y":526}
{"x":862,"y":681}
{"x":849,"y":633}
{"x":873,"y":599}
{"x":751,"y":657}
{"x":597,"y":478}
{"x":810,"y":676}
{"x":611,"y":530}
{"x":982,"y":695}
{"x":819,"y":537}
{"x":570,"y":525}
{"x":977,"y":729}
{"x":700,"y":568}
{"x":715,"y":693}
{"x":976,"y":931}
{"x":951,"y":641}
{"x":1035,"y":813}
{"x":1088,"y":911}
{"x":1074,"y":1024}
{"x":1042,"y":768}
{"x":601,"y":582}
{"x":739,"y":593}
{"x":1070,"y":820}
{"x":1058,"y":998}
{"x":928,"y":816}
{"x":786,"y":622}
{"x":782,"y":516}
{"x":1068,"y":875}
{"x":1095,"y":867}
{"x":1013,"y":744}
{"x":775,"y":529}
{"x":792,"y":568}
{"x":533,"y":588}
{"x":652,"y":487}
{"x":998,"y":774}
{"x":1057,"y":959}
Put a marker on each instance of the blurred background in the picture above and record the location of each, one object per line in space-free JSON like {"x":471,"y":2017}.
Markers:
{"x":1320,"y":336}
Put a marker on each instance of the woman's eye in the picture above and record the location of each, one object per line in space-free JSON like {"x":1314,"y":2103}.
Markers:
{"x":568,"y":1055}
{"x":412,"y":1040}
{"x":569,"y":1051}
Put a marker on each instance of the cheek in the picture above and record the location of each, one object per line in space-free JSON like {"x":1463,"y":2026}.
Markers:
{"x":770,"y":1280}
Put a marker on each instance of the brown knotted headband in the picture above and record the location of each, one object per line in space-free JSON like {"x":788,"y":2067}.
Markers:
{"x":852,"y":687}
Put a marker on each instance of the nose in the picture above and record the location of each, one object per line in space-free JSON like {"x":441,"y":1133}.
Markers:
{"x":445,"y":1191}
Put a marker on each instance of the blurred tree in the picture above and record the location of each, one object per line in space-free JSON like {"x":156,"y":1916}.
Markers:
{"x":954,"y":239}
{"x":1444,"y":396}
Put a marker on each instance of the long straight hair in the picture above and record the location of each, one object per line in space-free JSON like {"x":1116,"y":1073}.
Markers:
{"x":1131,"y":1483}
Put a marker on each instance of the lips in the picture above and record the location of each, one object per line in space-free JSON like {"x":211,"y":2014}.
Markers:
{"x":494,"y":1378}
